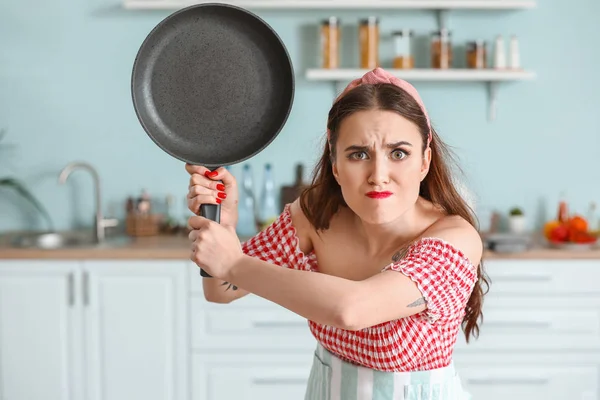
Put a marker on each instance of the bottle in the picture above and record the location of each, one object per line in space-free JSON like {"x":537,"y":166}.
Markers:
{"x":246,"y":225}
{"x":514,"y":57}
{"x":441,"y":49}
{"x":268,"y":211}
{"x":403,"y":58}
{"x":330,"y":43}
{"x":563,"y":210}
{"x":170,"y":224}
{"x":499,"y":54}
{"x":476,"y":54}
{"x":369,"y":42}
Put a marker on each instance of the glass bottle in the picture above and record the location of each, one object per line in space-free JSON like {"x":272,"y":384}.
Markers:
{"x":246,"y":225}
{"x":330,"y":43}
{"x":441,"y":49}
{"x":476,"y":54}
{"x":369,"y":43}
{"x":268,"y":211}
{"x":403,"y":58}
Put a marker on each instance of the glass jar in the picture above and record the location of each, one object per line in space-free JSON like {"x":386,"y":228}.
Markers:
{"x":441,"y":49}
{"x":369,"y":42}
{"x":330,"y":43}
{"x":403,"y":58}
{"x":476,"y":54}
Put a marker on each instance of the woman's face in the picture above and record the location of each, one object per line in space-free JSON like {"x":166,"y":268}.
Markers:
{"x":380,"y":164}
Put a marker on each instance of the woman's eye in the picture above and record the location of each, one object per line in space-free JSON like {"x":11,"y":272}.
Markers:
{"x":359,"y":155}
{"x":398,"y":154}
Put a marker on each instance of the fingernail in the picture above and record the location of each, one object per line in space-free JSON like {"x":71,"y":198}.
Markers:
{"x":220,"y":186}
{"x":207,"y":174}
{"x":219,"y":201}
{"x":222,"y":195}
{"x":212,"y":174}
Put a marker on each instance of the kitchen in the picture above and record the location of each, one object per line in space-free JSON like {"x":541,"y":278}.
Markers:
{"x":81,"y":322}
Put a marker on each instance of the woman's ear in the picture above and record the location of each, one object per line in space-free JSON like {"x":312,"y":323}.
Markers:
{"x":426,"y":162}
{"x":335,"y":172}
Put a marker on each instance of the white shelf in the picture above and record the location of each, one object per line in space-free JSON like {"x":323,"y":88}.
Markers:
{"x":343,"y":4}
{"x":473,"y":75}
{"x":341,"y":77}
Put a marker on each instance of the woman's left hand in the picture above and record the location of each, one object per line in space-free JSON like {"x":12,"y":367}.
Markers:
{"x":215,"y":248}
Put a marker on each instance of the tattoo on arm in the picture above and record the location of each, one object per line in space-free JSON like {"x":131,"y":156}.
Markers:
{"x":417,"y":302}
{"x":233,"y":287}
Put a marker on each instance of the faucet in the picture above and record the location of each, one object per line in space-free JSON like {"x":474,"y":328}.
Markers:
{"x":99,"y":222}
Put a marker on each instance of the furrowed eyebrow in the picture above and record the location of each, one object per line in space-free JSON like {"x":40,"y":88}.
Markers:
{"x":389,"y":145}
{"x":398,"y":144}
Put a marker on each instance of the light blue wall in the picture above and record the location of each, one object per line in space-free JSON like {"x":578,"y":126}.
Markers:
{"x":64,"y":95}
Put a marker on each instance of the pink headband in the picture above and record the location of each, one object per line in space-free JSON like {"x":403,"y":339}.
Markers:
{"x":378,"y":75}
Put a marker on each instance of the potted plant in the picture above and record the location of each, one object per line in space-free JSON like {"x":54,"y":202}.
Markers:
{"x":20,"y":188}
{"x":516,"y":220}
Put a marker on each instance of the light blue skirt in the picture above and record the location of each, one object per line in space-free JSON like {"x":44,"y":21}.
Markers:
{"x":334,"y":379}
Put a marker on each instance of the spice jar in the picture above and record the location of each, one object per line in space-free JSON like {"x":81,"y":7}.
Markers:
{"x":330,"y":43}
{"x":369,"y":42}
{"x":403,"y":58}
{"x":476,"y":54}
{"x":441,"y":49}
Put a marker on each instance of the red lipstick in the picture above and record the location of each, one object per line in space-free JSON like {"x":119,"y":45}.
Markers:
{"x":379,"y":195}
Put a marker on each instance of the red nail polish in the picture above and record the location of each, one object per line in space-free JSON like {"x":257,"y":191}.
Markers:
{"x":220,"y":187}
{"x":213,"y":174}
{"x":222,"y":195}
{"x":207,"y":174}
{"x":219,"y":201}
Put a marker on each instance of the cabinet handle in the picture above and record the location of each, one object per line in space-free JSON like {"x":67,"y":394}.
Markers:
{"x":85,"y":288}
{"x":277,"y":324}
{"x":71,"y":289}
{"x":522,"y":278}
{"x":508,"y":381}
{"x":519,"y":324}
{"x":279,"y":381}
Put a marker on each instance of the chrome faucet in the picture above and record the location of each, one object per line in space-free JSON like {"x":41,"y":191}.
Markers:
{"x":100,"y":223}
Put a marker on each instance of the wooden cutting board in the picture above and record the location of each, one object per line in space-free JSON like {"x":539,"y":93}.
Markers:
{"x":291,"y":193}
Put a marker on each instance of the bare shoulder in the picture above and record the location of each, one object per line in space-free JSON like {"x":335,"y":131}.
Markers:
{"x":459,"y":233}
{"x":304,"y":229}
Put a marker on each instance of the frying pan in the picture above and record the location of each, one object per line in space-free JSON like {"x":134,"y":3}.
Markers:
{"x":212,"y":84}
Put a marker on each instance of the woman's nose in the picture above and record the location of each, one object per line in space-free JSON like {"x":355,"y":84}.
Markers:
{"x":379,"y":173}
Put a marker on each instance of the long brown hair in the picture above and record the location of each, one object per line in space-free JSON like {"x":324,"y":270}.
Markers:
{"x":322,"y":199}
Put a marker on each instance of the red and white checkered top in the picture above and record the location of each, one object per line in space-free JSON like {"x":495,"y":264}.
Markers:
{"x":420,"y":342}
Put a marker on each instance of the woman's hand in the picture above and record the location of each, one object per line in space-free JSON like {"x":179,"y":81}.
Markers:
{"x":215,"y":248}
{"x":205,"y":188}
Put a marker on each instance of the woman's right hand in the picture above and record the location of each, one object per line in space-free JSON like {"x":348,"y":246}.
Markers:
{"x":218,"y":187}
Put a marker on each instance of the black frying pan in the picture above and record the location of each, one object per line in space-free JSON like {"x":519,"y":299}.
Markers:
{"x":212,"y":85}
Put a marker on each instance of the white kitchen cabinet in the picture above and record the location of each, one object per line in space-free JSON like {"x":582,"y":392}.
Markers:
{"x":135,"y":330}
{"x":39,"y":328}
{"x":93,"y":330}
{"x":492,"y":382}
{"x":251,"y":376}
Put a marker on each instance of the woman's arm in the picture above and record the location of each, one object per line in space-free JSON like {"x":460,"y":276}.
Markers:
{"x":339,"y":302}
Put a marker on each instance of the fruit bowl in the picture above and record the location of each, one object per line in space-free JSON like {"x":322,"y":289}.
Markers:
{"x":571,"y":246}
{"x":572,"y":234}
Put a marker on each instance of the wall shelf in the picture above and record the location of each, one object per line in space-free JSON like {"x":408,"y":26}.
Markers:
{"x":343,"y":4}
{"x":341,"y":77}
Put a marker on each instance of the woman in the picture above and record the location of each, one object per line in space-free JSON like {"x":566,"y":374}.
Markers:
{"x":380,"y":254}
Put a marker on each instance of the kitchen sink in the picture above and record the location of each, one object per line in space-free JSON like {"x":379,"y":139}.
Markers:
{"x":66,"y":239}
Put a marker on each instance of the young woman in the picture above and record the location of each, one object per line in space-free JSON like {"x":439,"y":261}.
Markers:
{"x":380,"y":254}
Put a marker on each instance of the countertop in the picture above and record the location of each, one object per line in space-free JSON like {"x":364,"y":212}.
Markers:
{"x":177,"y":248}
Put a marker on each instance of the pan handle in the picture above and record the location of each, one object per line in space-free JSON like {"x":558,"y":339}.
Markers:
{"x":212,"y":212}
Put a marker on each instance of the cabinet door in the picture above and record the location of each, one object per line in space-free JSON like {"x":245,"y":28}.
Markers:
{"x":136,"y":330}
{"x":251,"y":376}
{"x":39,"y":331}
{"x":530,"y":382}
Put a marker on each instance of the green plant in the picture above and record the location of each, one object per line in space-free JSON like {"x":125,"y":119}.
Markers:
{"x":20,"y":188}
{"x":515,"y":211}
